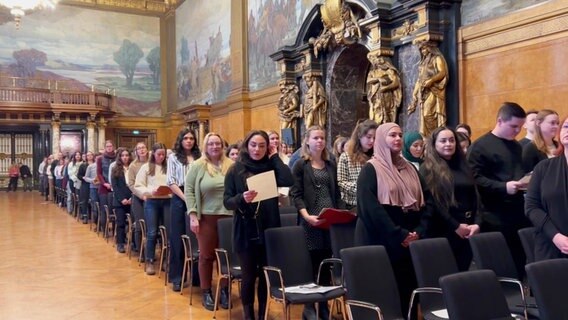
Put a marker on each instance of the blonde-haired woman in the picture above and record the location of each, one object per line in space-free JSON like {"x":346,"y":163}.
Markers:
{"x":315,"y":188}
{"x":543,"y":145}
{"x":204,"y":188}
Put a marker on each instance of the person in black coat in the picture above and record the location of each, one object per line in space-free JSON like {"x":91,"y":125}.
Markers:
{"x":496,"y":162}
{"x":122,"y":196}
{"x":546,"y":202}
{"x":251,"y":218}
{"x":315,"y":188}
{"x":393,"y":206}
{"x":450,"y":181}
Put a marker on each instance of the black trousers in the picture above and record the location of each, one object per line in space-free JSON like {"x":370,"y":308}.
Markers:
{"x":252,"y":260}
{"x":176,"y":229}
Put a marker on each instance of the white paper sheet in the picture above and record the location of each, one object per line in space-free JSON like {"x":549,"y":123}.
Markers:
{"x":265,"y":184}
{"x":442,"y":313}
{"x":310,"y":288}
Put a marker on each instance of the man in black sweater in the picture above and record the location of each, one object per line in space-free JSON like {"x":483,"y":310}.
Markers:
{"x":496,"y":162}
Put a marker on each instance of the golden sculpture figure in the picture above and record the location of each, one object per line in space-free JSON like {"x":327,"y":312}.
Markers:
{"x":339,"y":22}
{"x":288,"y":104}
{"x":430,"y":88}
{"x":384,"y":90}
{"x":314,"y":108}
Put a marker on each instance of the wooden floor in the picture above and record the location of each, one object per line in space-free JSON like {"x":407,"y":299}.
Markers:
{"x":53,"y":267}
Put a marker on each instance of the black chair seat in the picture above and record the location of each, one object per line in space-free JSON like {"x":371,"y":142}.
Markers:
{"x":236,"y":271}
{"x":299,"y":298}
{"x":515,"y":303}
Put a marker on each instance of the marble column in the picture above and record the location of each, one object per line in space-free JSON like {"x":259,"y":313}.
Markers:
{"x":91,"y":136}
{"x":201,"y":131}
{"x":101,"y":125}
{"x":55,"y":131}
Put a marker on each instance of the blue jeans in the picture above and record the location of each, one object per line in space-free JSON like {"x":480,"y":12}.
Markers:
{"x":94,"y":196}
{"x":155,"y":212}
{"x":176,"y":229}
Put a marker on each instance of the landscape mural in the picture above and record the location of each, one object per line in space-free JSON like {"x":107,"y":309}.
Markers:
{"x":76,"y":48}
{"x":478,"y":10}
{"x":271,"y":25}
{"x":203,"y":64}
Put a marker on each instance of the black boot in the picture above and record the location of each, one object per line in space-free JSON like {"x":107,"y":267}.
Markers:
{"x":249,"y":311}
{"x":224,"y":298}
{"x":309,"y":312}
{"x":208,"y":302}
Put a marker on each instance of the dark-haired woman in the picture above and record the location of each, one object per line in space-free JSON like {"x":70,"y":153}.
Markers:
{"x":252,"y":218}
{"x":358,"y":150}
{"x":184,"y":153}
{"x":453,"y":190}
{"x":122,"y":196}
{"x":392,"y":205}
{"x":151,"y":176}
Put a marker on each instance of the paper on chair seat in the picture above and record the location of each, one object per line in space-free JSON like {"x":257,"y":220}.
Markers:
{"x":310,"y":288}
{"x":442,"y":313}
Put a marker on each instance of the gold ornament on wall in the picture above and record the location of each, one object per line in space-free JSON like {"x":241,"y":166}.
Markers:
{"x":340,"y":26}
{"x":314,"y":108}
{"x":384,"y":89}
{"x":288,"y":104}
{"x":430,"y":89}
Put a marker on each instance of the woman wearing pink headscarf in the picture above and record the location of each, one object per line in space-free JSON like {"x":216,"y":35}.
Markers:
{"x":392,"y":205}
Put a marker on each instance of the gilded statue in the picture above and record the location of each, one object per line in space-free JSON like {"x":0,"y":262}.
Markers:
{"x":288,"y":104}
{"x":384,"y":90}
{"x":314,"y":108}
{"x":430,"y":89}
{"x":340,"y":24}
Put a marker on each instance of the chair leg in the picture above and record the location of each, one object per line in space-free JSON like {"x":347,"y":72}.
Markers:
{"x":217,"y":292}
{"x":190,"y":279}
{"x":229,"y":289}
{"x":183,"y":273}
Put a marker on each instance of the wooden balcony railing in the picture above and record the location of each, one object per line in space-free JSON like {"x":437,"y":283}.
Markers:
{"x":50,"y":97}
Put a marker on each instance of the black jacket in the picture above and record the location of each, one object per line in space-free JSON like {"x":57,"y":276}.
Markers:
{"x":248,"y":231}
{"x":120,"y":190}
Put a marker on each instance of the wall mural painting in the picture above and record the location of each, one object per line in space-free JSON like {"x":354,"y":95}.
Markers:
{"x":271,"y":25}
{"x":124,"y":59}
{"x":478,"y":10}
{"x":203,"y":64}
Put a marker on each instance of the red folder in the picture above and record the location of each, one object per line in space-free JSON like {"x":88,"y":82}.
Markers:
{"x":334,"y":216}
{"x":162,"y":191}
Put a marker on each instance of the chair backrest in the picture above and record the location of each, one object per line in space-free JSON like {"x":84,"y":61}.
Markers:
{"x":548,"y":280}
{"x":288,"y":210}
{"x":342,"y":236}
{"x":369,"y":278}
{"x":432,"y":259}
{"x":289,"y":219}
{"x":527,"y":240}
{"x":142,"y":224}
{"x":474,"y":295}
{"x":490,"y":251}
{"x":287,"y":250}
{"x":225,"y":234}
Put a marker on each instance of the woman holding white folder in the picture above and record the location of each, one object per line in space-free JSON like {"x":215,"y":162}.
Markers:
{"x":251,"y":218}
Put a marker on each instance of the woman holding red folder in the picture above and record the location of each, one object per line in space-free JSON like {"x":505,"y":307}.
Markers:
{"x":315,"y":188}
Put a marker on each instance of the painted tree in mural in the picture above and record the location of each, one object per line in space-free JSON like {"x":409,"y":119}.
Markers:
{"x":153,"y":59}
{"x":127,"y":58}
{"x":184,"y":51}
{"x":27,"y":60}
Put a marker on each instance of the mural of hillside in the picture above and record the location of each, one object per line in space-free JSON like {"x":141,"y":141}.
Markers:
{"x":271,"y":25}
{"x":84,"y":49}
{"x":203,"y":64}
{"x":478,"y":10}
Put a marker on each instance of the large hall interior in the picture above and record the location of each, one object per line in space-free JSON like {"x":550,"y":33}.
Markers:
{"x":76,"y":75}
